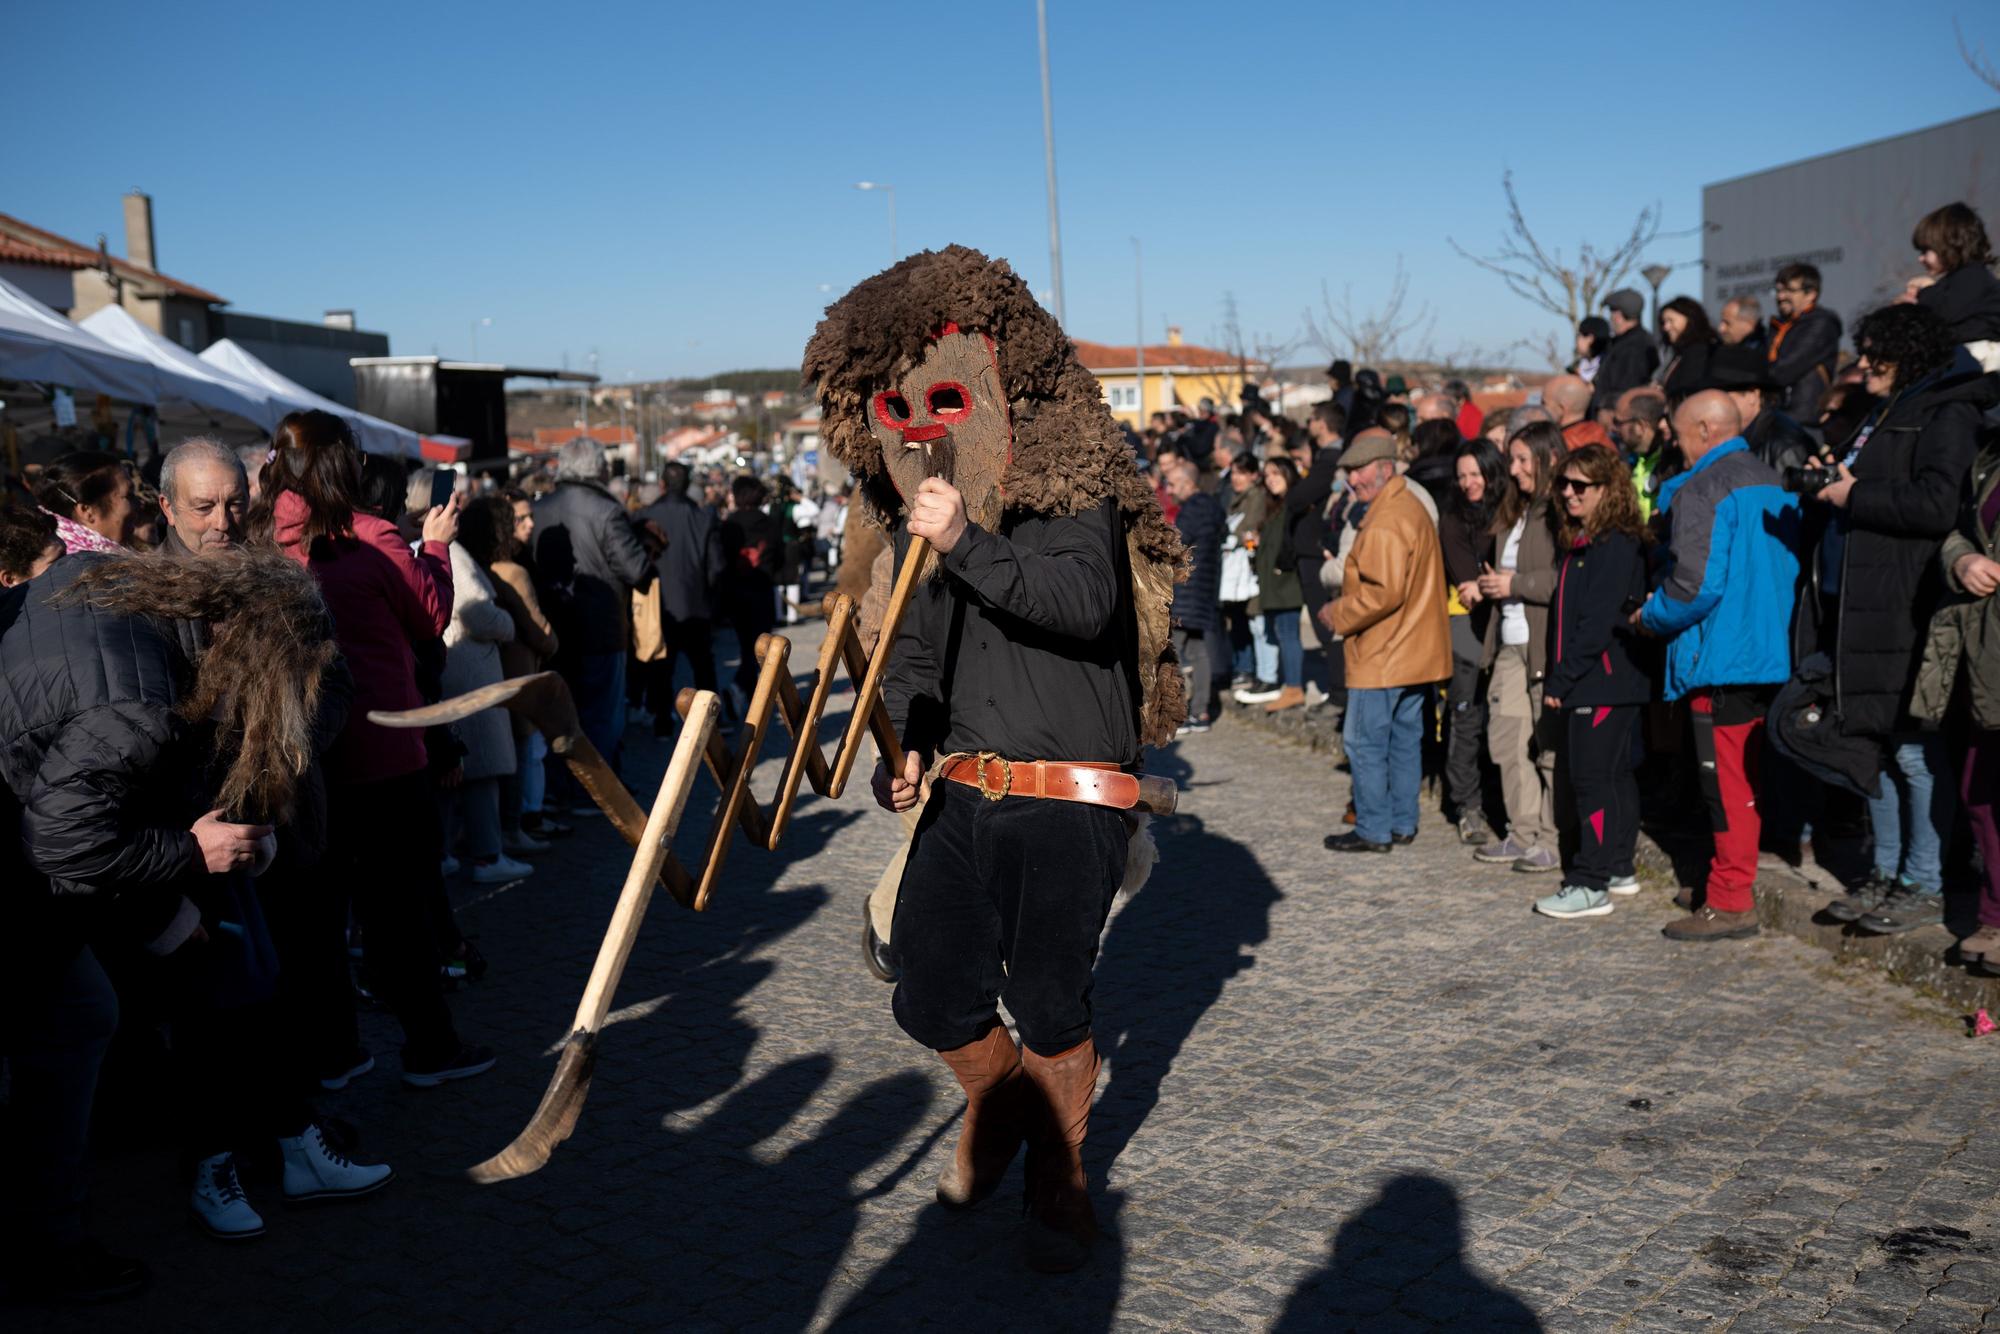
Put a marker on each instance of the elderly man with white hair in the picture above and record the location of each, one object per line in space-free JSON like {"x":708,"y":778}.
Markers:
{"x":588,"y":560}
{"x":204,"y":493}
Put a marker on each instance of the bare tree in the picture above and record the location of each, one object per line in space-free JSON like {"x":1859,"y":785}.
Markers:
{"x":1976,"y":60}
{"x":1537,"y":273}
{"x":1367,"y":336}
{"x":1272,"y":352}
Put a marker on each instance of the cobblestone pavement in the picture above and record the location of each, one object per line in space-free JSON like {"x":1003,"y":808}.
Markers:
{"x":1368,"y":1092}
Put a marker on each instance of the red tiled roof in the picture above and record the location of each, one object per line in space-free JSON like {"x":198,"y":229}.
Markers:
{"x":24,"y":243}
{"x":1159,"y":356}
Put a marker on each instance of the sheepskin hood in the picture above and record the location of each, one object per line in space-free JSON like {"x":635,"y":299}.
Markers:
{"x":1067,"y":453}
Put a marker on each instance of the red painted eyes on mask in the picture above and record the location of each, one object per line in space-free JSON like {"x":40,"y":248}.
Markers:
{"x":946,"y":401}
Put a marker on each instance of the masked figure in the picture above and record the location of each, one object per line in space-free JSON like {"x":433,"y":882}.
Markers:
{"x":1028,"y":673}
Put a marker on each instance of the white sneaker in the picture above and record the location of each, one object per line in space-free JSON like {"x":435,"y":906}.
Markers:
{"x":523,"y":842}
{"x":1257,"y":694}
{"x":448,"y":867}
{"x":1315,"y":696}
{"x":500,"y":870}
{"x":1623,"y":884}
{"x":218,"y":1201}
{"x":315,"y":1172}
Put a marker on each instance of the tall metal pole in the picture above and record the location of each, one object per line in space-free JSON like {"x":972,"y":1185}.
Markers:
{"x":894,"y":252}
{"x":1139,"y":325}
{"x":1049,"y":154}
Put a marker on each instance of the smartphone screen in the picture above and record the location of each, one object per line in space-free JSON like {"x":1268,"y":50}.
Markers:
{"x":443,"y":482}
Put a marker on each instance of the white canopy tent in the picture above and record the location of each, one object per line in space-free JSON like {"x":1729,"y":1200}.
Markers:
{"x":40,"y":346}
{"x":375,"y":435}
{"x":197,"y":384}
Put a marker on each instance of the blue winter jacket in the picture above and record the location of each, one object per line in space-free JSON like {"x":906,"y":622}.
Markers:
{"x":1732,"y":574}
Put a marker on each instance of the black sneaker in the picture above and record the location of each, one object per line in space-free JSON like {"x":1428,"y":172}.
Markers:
{"x":465,"y":1061}
{"x":1860,"y":900}
{"x":1192,"y":726}
{"x":1403,"y":840}
{"x":1906,"y":909}
{"x":82,"y":1272}
{"x":1352,"y":842}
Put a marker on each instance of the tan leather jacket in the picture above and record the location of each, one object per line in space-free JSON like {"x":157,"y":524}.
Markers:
{"x":1391,"y":608}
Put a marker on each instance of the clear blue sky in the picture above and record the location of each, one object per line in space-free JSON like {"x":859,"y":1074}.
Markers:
{"x":672,"y":184}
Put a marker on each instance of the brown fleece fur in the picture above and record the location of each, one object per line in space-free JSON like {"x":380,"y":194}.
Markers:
{"x":271,"y":641}
{"x":1069,"y":454}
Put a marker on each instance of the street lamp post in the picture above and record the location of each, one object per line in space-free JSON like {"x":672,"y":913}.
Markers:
{"x":1139,"y":329}
{"x":1049,"y":157}
{"x":1655,"y":274}
{"x":894,"y":253}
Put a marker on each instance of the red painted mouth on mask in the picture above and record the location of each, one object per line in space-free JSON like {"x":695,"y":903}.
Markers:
{"x":917,"y":435}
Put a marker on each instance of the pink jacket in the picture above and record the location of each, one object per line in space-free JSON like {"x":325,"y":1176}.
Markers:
{"x":383,"y":600}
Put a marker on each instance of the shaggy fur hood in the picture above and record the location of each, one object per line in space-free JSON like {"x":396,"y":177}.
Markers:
{"x":260,"y":676}
{"x":1068,"y":453}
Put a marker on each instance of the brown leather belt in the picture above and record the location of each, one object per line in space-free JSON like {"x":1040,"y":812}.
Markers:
{"x":1060,"y":780}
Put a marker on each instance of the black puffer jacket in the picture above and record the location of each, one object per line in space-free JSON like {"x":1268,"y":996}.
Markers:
{"x":1806,"y":352}
{"x":1908,"y":483}
{"x":1629,"y":361}
{"x":1778,"y":440}
{"x":1968,"y":300}
{"x":1202,"y":524}
{"x":588,"y":559}
{"x":110,"y":779}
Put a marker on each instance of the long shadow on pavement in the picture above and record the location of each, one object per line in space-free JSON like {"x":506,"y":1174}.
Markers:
{"x":1399,"y":1263}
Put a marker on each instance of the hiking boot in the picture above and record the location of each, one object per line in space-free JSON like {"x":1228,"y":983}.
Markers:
{"x":1506,"y":850}
{"x":1709,"y":924}
{"x":1857,"y":901}
{"x":1473,"y":830}
{"x":997,"y":1099}
{"x":1258,"y":692}
{"x":1623,"y":884}
{"x":1537,"y":860}
{"x":314,"y":1171}
{"x":1352,"y":842}
{"x":1575,"y":901}
{"x":218,"y":1202}
{"x":1981,"y":943}
{"x":1905,"y":909}
{"x":1291,"y":697}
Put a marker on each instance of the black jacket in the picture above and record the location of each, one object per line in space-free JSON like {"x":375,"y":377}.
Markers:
{"x":692,"y":562}
{"x":1908,"y":482}
{"x":1968,"y":300}
{"x":1686,"y":370}
{"x":1629,"y":361}
{"x":1202,"y":524}
{"x":1305,"y":508}
{"x":1026,"y":645}
{"x":1590,"y":653}
{"x":110,"y":779}
{"x":588,"y":559}
{"x":1805,"y":359}
{"x":1778,"y":440}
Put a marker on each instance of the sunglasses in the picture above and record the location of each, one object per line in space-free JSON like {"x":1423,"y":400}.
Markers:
{"x":1575,"y":484}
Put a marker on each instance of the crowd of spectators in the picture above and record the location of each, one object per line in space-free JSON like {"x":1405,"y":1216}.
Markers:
{"x":218,"y":947}
{"x":1718,"y":553}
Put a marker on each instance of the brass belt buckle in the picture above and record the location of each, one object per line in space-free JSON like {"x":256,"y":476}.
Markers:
{"x":1006,"y":775}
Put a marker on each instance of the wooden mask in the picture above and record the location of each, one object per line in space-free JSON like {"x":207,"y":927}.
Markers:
{"x":947,"y":416}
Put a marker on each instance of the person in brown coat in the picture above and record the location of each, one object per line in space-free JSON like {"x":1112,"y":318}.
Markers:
{"x":1392,"y":613}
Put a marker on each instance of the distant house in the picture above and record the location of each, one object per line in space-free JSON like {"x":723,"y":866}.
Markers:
{"x":1175,"y":373}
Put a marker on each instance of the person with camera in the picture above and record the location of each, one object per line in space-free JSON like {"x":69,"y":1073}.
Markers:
{"x":1893,"y":494}
{"x":1732,"y":577}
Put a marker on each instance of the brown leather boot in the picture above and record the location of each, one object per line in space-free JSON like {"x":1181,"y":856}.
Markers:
{"x":1061,"y":1224}
{"x":996,"y":1102}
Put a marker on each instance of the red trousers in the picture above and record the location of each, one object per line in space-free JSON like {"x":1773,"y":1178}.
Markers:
{"x":1730,"y":750}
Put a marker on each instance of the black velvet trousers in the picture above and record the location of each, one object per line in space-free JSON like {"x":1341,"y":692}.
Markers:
{"x":1003,"y":900}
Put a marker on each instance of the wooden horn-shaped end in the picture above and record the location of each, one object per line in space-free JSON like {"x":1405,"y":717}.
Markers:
{"x":553,"y":1120}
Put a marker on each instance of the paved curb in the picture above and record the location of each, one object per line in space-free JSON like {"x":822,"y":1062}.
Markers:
{"x":1789,"y":898}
